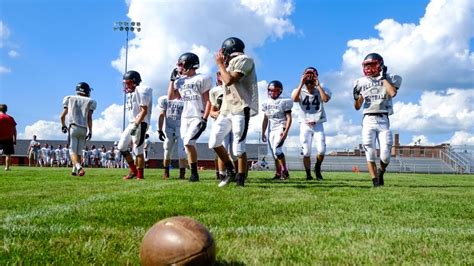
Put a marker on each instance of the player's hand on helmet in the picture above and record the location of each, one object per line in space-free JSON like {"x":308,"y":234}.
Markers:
{"x":174,"y":74}
{"x":203,"y":124}
{"x":161,"y":135}
{"x":64,"y":129}
{"x":89,"y":136}
{"x":134,"y":130}
{"x":356,"y":93}
{"x":220,"y":58}
{"x":384,"y":72}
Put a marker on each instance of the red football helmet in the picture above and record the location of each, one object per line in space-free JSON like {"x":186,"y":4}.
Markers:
{"x":372,"y":65}
{"x":275,"y":88}
{"x":311,"y":74}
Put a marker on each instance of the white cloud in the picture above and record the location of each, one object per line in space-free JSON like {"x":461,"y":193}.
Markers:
{"x":461,"y":138}
{"x":434,"y":59}
{"x":4,"y":33}
{"x":431,"y":54}
{"x":201,"y":28}
{"x":421,"y":140}
{"x":4,"y":70}
{"x":13,"y":54}
{"x":436,"y":112}
{"x":43,"y":130}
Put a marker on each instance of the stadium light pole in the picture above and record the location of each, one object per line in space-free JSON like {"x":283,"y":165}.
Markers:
{"x":127,"y":26}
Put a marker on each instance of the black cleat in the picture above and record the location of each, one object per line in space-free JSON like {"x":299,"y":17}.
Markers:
{"x":319,"y":177}
{"x":229,"y":178}
{"x":380,"y":176}
{"x":240,"y":180}
{"x":285,"y":175}
{"x":194,"y":178}
{"x":317,"y":172}
{"x":375,"y":181}
{"x":308,"y":177}
{"x":276,"y":177}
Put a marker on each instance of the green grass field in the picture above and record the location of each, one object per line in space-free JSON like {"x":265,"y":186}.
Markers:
{"x":50,"y":217}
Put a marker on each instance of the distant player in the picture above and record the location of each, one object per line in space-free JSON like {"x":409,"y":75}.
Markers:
{"x":311,"y":97}
{"x":33,"y":152}
{"x":240,"y":102}
{"x":193,"y":89}
{"x":277,"y":118}
{"x":77,"y":113}
{"x":374,"y":94}
{"x":45,"y":155}
{"x":169,"y":126}
{"x":139,"y":105}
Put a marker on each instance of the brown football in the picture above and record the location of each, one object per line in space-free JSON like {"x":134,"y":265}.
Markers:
{"x":178,"y":240}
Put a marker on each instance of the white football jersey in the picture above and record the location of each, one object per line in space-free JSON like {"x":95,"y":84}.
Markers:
{"x":78,"y":107}
{"x":59,"y":153}
{"x":311,"y":106}
{"x":276,"y":110}
{"x":216,"y":95}
{"x":243,"y":93}
{"x":173,"y":110}
{"x":142,"y":96}
{"x":35,"y":145}
{"x":376,"y":98}
{"x":191,"y":90}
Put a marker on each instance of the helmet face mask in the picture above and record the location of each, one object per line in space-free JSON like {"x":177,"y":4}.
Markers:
{"x":186,"y":62}
{"x":274,"y":89}
{"x":83,"y":88}
{"x":311,"y":74}
{"x":131,"y":80}
{"x":372,"y":65}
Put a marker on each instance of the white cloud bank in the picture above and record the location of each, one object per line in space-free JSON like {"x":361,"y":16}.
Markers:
{"x":433,"y":57}
{"x":435,"y":61}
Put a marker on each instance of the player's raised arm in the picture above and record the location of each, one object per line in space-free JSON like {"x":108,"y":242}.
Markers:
{"x":173,"y":93}
{"x":295,"y":95}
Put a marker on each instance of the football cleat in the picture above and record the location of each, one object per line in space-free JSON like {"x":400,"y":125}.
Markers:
{"x":229,"y":178}
{"x":380,"y":176}
{"x":375,"y":181}
{"x":130,"y":175}
{"x":285,"y":175}
{"x":240,"y":179}
{"x":276,"y":177}
{"x":193,"y":178}
{"x":308,"y":177}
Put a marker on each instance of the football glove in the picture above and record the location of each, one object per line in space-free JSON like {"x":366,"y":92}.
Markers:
{"x":89,"y":136}
{"x":384,"y":72}
{"x":203,"y":124}
{"x":161,"y":135}
{"x":356,"y":93}
{"x":64,"y":129}
{"x":174,"y":75}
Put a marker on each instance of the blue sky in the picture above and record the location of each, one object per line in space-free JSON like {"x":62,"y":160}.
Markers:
{"x":47,"y":47}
